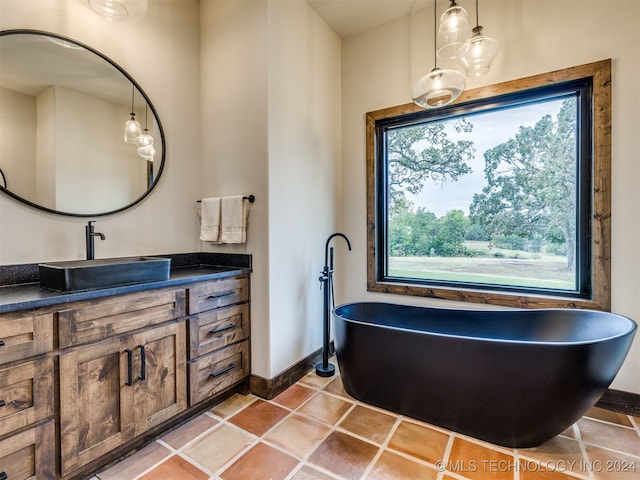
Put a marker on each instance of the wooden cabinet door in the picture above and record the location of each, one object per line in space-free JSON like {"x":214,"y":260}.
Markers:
{"x":160,"y":378}
{"x":96,"y":402}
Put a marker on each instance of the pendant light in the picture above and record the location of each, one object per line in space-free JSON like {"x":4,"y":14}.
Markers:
{"x":439,"y":87}
{"x":453,"y":31}
{"x":478,"y":52}
{"x":145,"y":141}
{"x":132,"y":129}
{"x":147,"y":152}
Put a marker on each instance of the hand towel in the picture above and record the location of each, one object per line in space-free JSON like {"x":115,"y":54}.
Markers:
{"x":210,"y":219}
{"x":233,"y":219}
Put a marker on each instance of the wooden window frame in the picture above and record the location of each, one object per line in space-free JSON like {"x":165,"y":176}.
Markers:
{"x":599,"y":74}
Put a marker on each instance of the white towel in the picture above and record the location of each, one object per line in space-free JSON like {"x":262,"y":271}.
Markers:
{"x":233,"y":219}
{"x":210,"y":219}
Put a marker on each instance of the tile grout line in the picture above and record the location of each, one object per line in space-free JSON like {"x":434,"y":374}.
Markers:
{"x":196,"y":463}
{"x":583,"y":449}
{"x":382,"y":448}
{"x":516,"y":463}
{"x":240,"y":454}
{"x":155,"y":465}
{"x":635,"y":422}
{"x":611,"y":449}
{"x":262,"y":439}
{"x":194,"y":439}
{"x":445,"y":456}
{"x":335,"y":428}
{"x":607,"y":422}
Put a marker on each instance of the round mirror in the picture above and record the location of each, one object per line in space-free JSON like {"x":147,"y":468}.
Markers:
{"x":78,"y":136}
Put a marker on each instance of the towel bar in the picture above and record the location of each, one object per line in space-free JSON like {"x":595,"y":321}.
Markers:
{"x":251,"y":198}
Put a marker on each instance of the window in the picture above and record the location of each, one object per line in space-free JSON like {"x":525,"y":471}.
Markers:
{"x":502,"y":197}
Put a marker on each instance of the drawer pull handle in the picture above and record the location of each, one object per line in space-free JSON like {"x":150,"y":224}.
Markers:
{"x":228,"y":293}
{"x":2,"y":345}
{"x":129,"y":381}
{"x":3,"y":476}
{"x":224,"y":370}
{"x":2,"y":403}
{"x":143,"y":363}
{"x":223,"y":329}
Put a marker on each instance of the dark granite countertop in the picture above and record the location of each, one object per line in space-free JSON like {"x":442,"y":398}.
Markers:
{"x":186,"y":268}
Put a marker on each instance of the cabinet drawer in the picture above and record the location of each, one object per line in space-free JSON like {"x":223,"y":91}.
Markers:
{"x":24,"y":334}
{"x":218,"y":328}
{"x":216,"y":371}
{"x":29,"y":454}
{"x":218,"y":293}
{"x":103,"y":318}
{"x":26,"y":394}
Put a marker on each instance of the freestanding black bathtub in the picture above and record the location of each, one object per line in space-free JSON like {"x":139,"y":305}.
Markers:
{"x":511,"y":377}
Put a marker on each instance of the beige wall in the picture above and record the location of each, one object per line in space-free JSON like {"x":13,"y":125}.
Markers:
{"x":271,"y":127}
{"x":379,"y":68}
{"x":18,"y":140}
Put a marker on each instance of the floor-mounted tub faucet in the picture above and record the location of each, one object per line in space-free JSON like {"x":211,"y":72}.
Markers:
{"x":89,"y":234}
{"x":325,"y":369}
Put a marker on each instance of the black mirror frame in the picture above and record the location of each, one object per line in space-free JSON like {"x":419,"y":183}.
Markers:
{"x":140,"y":90}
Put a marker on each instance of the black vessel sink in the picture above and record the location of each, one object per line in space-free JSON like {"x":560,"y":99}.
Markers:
{"x":107,"y":272}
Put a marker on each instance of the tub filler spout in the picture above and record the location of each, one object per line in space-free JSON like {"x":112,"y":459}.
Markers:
{"x":325,"y":369}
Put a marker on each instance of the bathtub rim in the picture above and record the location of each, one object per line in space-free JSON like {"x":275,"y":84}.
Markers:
{"x":631,"y":330}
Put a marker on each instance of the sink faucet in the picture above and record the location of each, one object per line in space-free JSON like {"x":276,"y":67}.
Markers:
{"x":89,"y":234}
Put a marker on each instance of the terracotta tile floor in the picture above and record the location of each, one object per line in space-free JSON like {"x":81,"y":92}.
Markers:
{"x":314,"y":430}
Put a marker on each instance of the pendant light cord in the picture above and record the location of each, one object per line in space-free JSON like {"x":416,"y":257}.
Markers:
{"x":477,"y":19}
{"x":435,"y":35}
{"x":133,"y":92}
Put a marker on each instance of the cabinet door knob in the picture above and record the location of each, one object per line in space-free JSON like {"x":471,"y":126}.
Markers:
{"x":224,"y":370}
{"x":143,"y":363}
{"x":2,"y":345}
{"x":129,"y":381}
{"x":223,"y":329}
{"x":2,"y":403}
{"x":3,"y":476}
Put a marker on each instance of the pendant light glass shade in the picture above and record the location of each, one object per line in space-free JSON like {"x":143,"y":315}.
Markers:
{"x":438,"y":88}
{"x":144,"y":139}
{"x":478,"y":53}
{"x":120,"y":10}
{"x":147,"y":152}
{"x":453,"y":32}
{"x":132,"y":129}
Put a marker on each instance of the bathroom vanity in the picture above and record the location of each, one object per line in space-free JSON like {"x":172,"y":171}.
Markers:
{"x":87,"y":376}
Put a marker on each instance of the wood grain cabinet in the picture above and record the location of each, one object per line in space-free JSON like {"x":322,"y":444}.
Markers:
{"x":29,"y":454}
{"x":218,"y":336}
{"x":84,"y":382}
{"x":27,"y":428}
{"x":118,"y":388}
